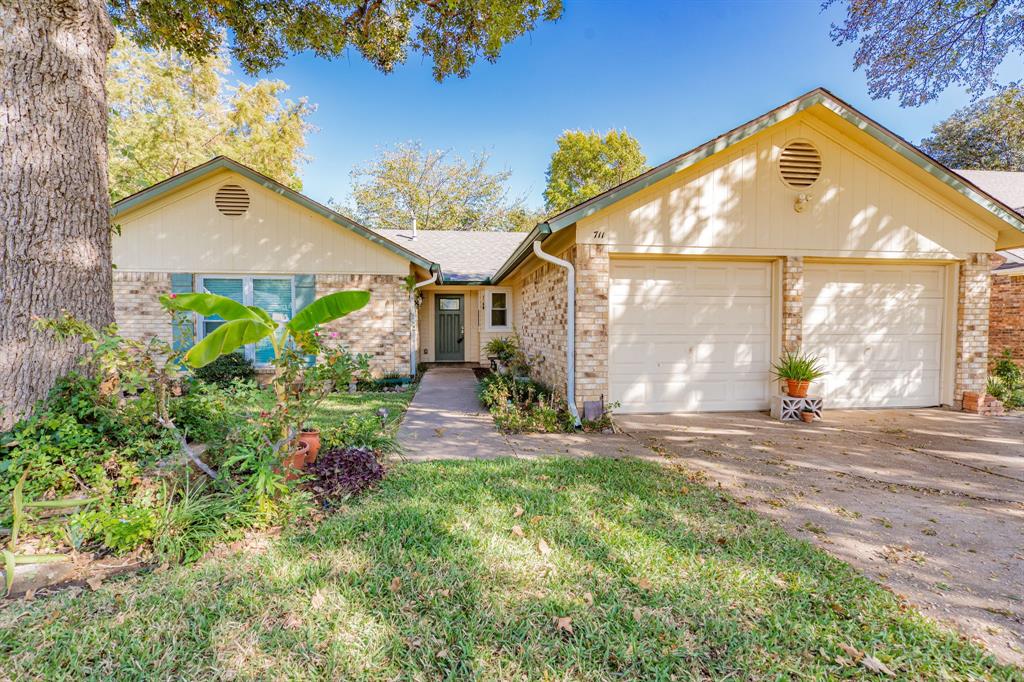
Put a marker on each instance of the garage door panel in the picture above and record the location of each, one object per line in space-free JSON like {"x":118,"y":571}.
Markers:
{"x":878,"y":331}
{"x":690,"y":336}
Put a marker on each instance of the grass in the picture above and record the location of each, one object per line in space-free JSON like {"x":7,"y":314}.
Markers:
{"x":340,"y":406}
{"x":427,"y":578}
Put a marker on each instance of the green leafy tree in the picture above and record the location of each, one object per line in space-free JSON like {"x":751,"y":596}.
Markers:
{"x":169,"y":112}
{"x":587,"y":163}
{"x":915,"y":49}
{"x":55,"y":207}
{"x":987,"y":135}
{"x":438,"y":189}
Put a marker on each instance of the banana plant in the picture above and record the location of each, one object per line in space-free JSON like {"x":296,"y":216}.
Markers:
{"x":245,"y":324}
{"x":250,"y":324}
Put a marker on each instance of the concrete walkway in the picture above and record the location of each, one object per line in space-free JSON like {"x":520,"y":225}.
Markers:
{"x":446,"y":421}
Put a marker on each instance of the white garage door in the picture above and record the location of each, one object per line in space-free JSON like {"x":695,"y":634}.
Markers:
{"x":878,"y":330}
{"x":689,"y":336}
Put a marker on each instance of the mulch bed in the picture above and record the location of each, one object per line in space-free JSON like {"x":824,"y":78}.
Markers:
{"x":343,"y":472}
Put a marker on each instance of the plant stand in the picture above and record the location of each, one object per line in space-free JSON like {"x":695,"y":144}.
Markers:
{"x":788,"y":409}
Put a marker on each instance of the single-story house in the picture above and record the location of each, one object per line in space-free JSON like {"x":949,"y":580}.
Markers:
{"x":809,"y":228}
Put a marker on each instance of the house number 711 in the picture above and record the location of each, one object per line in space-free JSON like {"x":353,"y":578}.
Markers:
{"x":598,"y":234}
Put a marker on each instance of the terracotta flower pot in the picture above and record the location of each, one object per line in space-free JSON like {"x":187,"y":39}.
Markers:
{"x":295,"y":460}
{"x":807,"y":416}
{"x":312,"y":438}
{"x":796,"y":388}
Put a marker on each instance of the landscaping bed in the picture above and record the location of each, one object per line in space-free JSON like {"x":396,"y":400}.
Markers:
{"x":562,"y":569}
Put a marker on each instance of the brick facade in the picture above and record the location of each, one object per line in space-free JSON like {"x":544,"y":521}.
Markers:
{"x":1006,"y":314}
{"x":972,"y":326}
{"x":541,"y":298}
{"x":592,"y":273}
{"x":137,"y":308}
{"x":792,"y":303}
{"x":381,"y":329}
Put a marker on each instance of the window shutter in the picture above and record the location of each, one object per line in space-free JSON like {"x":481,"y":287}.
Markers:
{"x":305,"y":290}
{"x":305,"y":293}
{"x":183,"y":326}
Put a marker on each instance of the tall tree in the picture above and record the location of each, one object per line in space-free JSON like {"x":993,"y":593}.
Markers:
{"x":986,"y":135}
{"x":438,"y":189}
{"x":54,"y":199}
{"x":915,"y":49}
{"x":169,"y":112}
{"x":585,"y":164}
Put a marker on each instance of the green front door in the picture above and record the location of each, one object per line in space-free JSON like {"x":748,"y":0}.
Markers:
{"x":450,"y":330}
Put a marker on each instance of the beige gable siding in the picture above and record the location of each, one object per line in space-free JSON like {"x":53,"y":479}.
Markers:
{"x":184,"y":232}
{"x":735,"y":203}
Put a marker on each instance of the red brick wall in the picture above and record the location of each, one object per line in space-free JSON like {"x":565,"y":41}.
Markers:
{"x":1006,"y":315}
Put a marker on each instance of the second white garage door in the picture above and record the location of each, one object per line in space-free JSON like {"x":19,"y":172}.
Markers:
{"x":878,"y":331}
{"x":689,"y":335}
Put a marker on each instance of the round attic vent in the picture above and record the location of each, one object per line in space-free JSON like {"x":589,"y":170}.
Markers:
{"x":232,"y":200}
{"x":799,"y":164}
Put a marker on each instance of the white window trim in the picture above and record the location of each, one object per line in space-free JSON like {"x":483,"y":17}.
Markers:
{"x":507,"y":327}
{"x":248,"y":350}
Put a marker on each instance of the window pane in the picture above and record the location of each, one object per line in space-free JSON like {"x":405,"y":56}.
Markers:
{"x":230,"y":288}
{"x":209,"y":325}
{"x":498,"y":300}
{"x":449,"y":303}
{"x":274,"y":296}
{"x":499,"y":318}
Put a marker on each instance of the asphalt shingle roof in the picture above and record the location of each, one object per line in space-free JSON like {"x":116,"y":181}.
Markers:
{"x":1008,"y":187}
{"x":465,"y":256}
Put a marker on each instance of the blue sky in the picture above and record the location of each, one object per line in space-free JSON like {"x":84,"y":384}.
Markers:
{"x":674,"y":74}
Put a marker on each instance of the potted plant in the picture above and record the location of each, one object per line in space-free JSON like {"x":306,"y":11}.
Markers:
{"x":807,"y":415}
{"x":798,"y":371}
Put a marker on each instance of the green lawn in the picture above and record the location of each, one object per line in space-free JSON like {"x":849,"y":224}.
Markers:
{"x":428,"y":578}
{"x":339,"y":406}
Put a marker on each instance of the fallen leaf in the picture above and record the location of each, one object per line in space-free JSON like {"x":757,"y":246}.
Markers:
{"x":29,"y":595}
{"x":535,"y":519}
{"x":396,"y":584}
{"x":443,"y":653}
{"x":543,"y":547}
{"x":439,"y":432}
{"x":564,"y":624}
{"x":876,"y":666}
{"x":517,"y":530}
{"x":444,"y":593}
{"x":856,"y":654}
{"x":643,"y":583}
{"x":517,"y":512}
{"x":291,"y":622}
{"x":684,"y":490}
{"x":588,"y":598}
{"x":94,"y":583}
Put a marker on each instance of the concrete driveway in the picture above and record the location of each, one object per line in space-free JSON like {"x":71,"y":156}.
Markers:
{"x":929,"y":502}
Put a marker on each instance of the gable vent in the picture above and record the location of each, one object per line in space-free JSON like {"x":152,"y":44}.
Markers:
{"x":232,"y":200}
{"x":799,"y":164}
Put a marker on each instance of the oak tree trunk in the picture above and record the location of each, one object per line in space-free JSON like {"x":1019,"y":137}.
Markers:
{"x":54,"y":207}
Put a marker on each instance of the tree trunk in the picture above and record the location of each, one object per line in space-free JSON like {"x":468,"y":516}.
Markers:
{"x":54,"y":207}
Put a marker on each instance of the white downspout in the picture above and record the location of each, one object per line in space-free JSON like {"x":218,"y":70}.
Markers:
{"x":570,"y":333}
{"x":413,"y":326}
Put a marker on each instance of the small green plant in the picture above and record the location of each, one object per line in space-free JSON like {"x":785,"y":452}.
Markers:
{"x":226,"y":369}
{"x":798,"y":367}
{"x":1006,"y":382}
{"x":503,"y":348}
{"x":20,"y":509}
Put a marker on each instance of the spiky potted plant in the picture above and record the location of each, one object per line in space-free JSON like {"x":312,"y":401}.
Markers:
{"x":798,"y":371}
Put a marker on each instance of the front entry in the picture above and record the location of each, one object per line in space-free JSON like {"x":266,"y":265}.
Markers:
{"x":450,"y":327}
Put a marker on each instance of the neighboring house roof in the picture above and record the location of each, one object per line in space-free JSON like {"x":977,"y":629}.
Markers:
{"x":465,"y":256}
{"x":224,"y":163}
{"x":964,"y":185}
{"x":1008,"y":187}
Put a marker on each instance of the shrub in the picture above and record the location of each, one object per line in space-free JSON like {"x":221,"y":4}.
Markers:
{"x":226,"y":369}
{"x":1006,"y":382}
{"x":519,"y":405}
{"x":361,"y":431}
{"x":797,"y":367}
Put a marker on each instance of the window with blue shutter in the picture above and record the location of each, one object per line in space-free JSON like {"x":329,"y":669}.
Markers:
{"x":273,"y":294}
